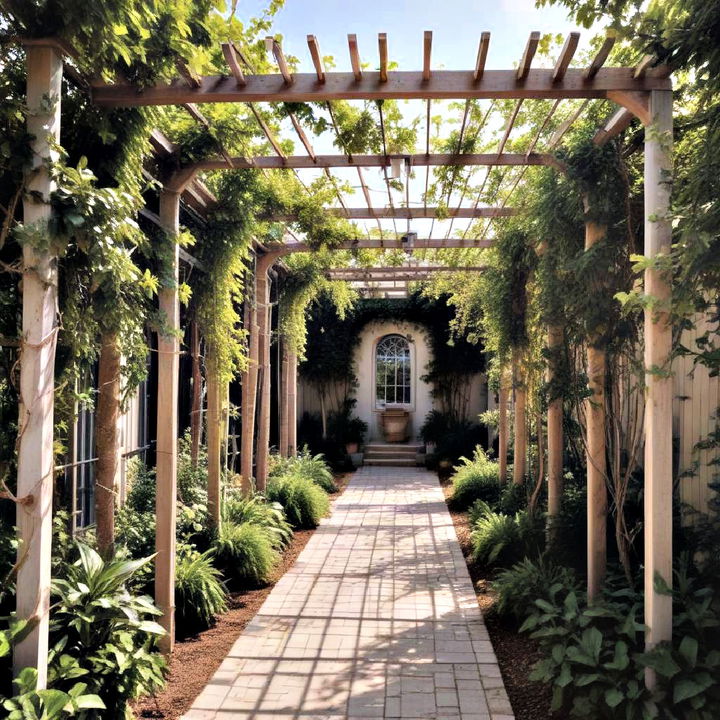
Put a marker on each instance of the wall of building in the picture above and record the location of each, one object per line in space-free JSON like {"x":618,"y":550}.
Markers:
{"x":364,"y":361}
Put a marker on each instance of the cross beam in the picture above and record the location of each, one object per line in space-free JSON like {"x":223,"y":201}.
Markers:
{"x":404,"y":213}
{"x":400,"y":85}
{"x":379,"y":161}
{"x":396,"y":273}
{"x":388,"y":244}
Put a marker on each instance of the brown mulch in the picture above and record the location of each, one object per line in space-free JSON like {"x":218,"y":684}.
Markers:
{"x":195,"y":659}
{"x":516,"y":653}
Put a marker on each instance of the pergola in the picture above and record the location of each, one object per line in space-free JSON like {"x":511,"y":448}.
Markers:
{"x":643,"y":92}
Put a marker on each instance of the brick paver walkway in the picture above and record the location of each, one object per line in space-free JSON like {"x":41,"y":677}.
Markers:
{"x":376,"y":619}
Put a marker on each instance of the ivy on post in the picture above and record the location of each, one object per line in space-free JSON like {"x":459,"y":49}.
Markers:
{"x":167,"y":422}
{"x":658,"y":348}
{"x":37,"y":365}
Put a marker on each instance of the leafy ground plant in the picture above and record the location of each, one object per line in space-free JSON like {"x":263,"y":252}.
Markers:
{"x":258,"y":511}
{"x":200,"y":595}
{"x":245,"y":552}
{"x":304,"y":502}
{"x":110,"y":632}
{"x":475,"y":479}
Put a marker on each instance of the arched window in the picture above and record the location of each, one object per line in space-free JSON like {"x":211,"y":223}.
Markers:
{"x":392,"y":371}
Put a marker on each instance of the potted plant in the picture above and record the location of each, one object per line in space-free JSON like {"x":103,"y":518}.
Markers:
{"x":346,"y":430}
{"x":395,"y":424}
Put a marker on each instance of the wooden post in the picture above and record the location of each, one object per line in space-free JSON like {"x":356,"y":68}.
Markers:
{"x":503,"y":400}
{"x":107,"y":443}
{"x":595,"y":448}
{"x":214,"y":434}
{"x":264,"y":317}
{"x":292,"y":405}
{"x":284,"y":400}
{"x":196,"y":408}
{"x":167,"y":427}
{"x":658,"y":346}
{"x":555,"y":433}
{"x":249,"y":394}
{"x":37,"y":366}
{"x":520,"y":455}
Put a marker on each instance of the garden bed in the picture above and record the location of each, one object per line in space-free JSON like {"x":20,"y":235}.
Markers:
{"x":196,"y":658}
{"x":515,"y":653}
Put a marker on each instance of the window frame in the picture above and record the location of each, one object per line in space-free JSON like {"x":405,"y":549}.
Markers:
{"x":380,"y":404}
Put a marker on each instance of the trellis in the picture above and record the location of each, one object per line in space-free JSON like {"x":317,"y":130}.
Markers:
{"x":644,"y":92}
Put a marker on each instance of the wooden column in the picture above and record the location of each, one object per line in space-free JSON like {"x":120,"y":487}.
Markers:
{"x":284,"y":401}
{"x":520,"y":455}
{"x":555,"y":432}
{"x":214,"y":434}
{"x":264,"y":318}
{"x":107,"y":443}
{"x":249,"y":392}
{"x":292,"y":405}
{"x":503,"y":401}
{"x":167,"y":427}
{"x":37,"y":365}
{"x":196,"y":408}
{"x":658,"y":346}
{"x":595,"y":448}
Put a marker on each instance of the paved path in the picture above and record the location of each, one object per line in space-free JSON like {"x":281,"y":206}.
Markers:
{"x":376,"y":619}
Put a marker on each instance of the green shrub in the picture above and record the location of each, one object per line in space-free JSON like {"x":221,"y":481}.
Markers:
{"x":141,"y":483}
{"x":500,"y":540}
{"x":199,"y":592}
{"x":245,"y":552}
{"x":304,"y":502}
{"x":529,"y":580}
{"x":475,"y":479}
{"x":513,"y":498}
{"x":107,"y":630}
{"x":306,"y":465}
{"x":594,"y":657}
{"x":191,"y":481}
{"x":453,"y":438}
{"x":258,"y":511}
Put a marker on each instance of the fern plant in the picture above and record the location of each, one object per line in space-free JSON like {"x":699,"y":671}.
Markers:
{"x":200,"y":595}
{"x":476,"y":479}
{"x":500,"y":540}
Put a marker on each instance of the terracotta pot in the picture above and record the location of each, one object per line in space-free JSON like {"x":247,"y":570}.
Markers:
{"x":351,"y":448}
{"x":395,"y":425}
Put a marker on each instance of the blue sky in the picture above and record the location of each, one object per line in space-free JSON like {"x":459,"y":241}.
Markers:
{"x":456,"y":26}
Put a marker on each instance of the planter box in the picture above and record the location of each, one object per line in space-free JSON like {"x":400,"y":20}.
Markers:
{"x":357,"y":459}
{"x":395,"y":425}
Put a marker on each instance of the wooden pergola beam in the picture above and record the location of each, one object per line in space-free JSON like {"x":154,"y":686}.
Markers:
{"x":396,"y":272}
{"x":566,"y":56}
{"x":483,"y":48}
{"x":401,"y":85}
{"x":389,"y":244}
{"x":403,"y":213}
{"x":528,"y":55}
{"x":300,"y":162}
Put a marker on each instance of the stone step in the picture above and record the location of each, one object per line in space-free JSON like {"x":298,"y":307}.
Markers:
{"x":394,"y":462}
{"x":399,"y":449}
{"x":389,"y":454}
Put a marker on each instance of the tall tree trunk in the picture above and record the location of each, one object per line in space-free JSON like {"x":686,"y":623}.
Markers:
{"x":214,"y":435}
{"x":555,"y":433}
{"x":249,"y":399}
{"x":520,"y":458}
{"x":196,"y":410}
{"x":107,"y":441}
{"x":596,"y":447}
{"x":503,"y":433}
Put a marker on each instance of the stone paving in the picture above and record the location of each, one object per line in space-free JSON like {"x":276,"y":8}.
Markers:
{"x":376,"y":619}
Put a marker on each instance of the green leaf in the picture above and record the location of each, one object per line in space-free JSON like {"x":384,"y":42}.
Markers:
{"x":689,"y":649}
{"x":690,"y":687}
{"x":54,"y":702}
{"x":90,"y":702}
{"x":613,"y":697}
